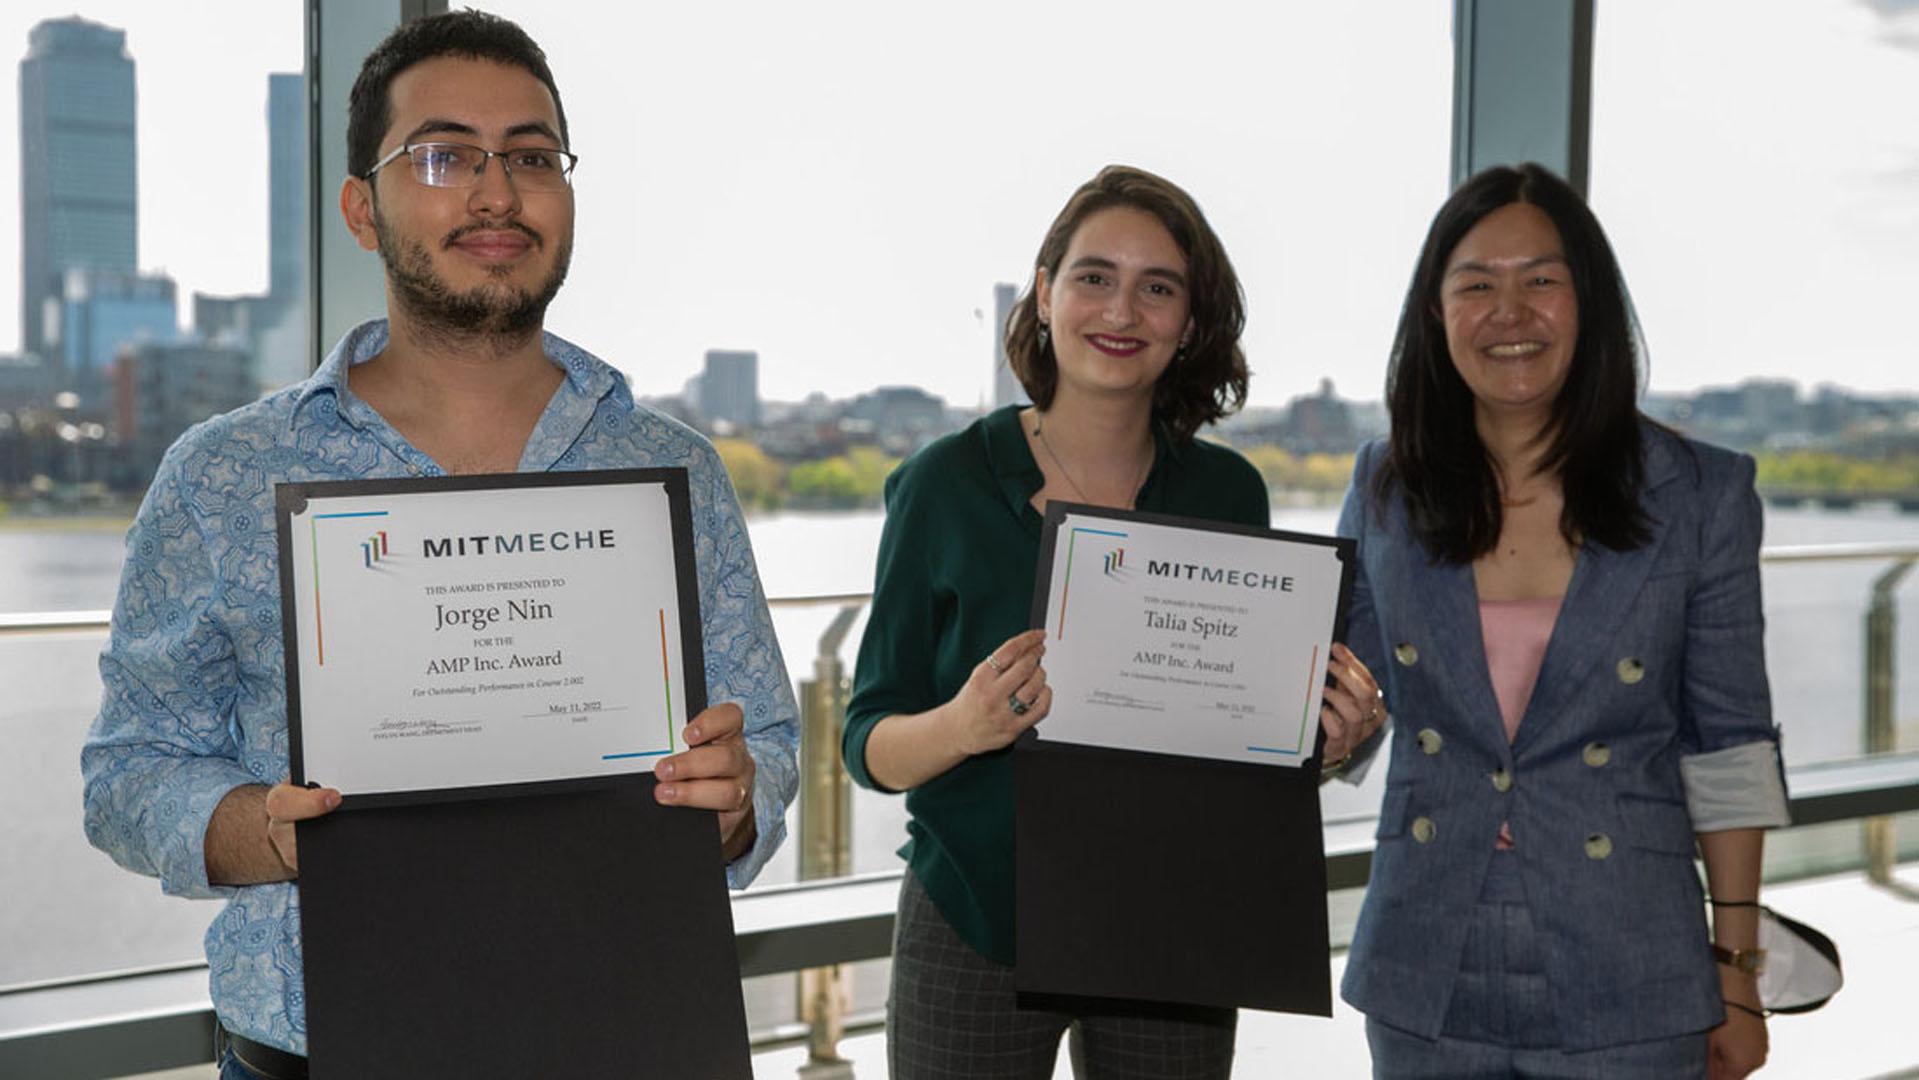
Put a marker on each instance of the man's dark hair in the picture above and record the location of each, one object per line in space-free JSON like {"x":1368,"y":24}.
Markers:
{"x":1438,"y":462}
{"x":471,"y":35}
{"x":1205,"y":383}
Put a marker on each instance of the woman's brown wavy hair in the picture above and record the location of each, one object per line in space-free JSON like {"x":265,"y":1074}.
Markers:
{"x":1207,"y":380}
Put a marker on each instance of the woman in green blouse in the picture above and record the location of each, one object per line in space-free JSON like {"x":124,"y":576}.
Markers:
{"x":1127,"y":342}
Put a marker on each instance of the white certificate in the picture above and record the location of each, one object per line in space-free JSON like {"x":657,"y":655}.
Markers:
{"x":1177,"y":636}
{"x":483,"y":632}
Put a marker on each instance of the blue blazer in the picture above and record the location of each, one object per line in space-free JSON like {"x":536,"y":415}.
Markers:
{"x":1657,"y":654}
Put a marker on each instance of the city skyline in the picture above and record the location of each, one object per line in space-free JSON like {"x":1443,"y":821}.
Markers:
{"x":839,"y":326}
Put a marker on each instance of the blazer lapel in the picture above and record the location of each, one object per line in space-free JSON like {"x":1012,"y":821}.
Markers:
{"x":1605,"y":585}
{"x":1449,"y":608}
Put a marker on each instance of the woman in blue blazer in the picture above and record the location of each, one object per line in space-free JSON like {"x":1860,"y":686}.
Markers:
{"x":1561,"y":599}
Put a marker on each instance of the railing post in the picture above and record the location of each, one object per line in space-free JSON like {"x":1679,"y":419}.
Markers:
{"x":1882,"y":680}
{"x":826,"y":839}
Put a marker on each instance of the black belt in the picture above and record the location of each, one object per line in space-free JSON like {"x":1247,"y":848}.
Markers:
{"x":266,"y":1062}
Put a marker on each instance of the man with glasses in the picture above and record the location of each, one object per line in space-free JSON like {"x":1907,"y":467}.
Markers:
{"x":462,"y":181}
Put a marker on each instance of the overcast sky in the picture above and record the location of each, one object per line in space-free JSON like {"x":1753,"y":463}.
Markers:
{"x":839,"y":185}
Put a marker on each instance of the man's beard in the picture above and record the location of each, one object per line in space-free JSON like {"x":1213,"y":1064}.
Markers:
{"x":502,"y":315}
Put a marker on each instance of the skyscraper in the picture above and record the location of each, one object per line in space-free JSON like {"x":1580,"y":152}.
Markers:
{"x":286,"y":186}
{"x":78,"y":181}
{"x":280,"y":332}
{"x":1006,"y":387}
{"x":730,"y":387}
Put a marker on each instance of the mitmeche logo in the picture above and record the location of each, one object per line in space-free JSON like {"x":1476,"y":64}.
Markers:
{"x":527,"y":543}
{"x":1219,"y":575}
{"x":373,"y":548}
{"x":1115,"y":562}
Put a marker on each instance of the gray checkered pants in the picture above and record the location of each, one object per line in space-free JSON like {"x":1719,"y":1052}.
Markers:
{"x":951,"y":1016}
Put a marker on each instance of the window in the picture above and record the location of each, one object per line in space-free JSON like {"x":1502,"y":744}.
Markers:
{"x":1758,"y":178}
{"x":154,"y":276}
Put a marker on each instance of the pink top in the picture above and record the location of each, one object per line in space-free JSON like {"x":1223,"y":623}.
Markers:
{"x":1516,"y":633}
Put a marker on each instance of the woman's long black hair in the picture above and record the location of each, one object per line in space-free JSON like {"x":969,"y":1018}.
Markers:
{"x":1442,"y":469}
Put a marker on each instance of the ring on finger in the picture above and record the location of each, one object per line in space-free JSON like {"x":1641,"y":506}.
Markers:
{"x":744,"y":796}
{"x":993,"y":662}
{"x":1014,"y":703}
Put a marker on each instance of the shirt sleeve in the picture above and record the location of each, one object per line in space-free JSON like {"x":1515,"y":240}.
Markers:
{"x":1362,"y":624}
{"x":1731,"y":769}
{"x":744,"y":666}
{"x":893,"y":673}
{"x":162,"y":754}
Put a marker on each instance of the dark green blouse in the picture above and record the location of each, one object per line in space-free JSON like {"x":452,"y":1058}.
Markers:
{"x":955,"y":580}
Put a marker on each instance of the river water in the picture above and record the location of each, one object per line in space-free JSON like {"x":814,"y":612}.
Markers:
{"x":68,"y":910}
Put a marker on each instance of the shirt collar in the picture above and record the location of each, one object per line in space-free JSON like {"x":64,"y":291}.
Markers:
{"x":587,"y":374}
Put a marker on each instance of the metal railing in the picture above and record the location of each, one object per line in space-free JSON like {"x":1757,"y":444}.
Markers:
{"x":817,"y":926}
{"x":1881,"y":675}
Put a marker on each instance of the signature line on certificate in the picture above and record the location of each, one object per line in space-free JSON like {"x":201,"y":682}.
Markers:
{"x":1066,"y":579}
{"x":319,"y":636}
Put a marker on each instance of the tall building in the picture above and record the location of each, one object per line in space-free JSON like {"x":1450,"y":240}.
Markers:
{"x":103,"y":311}
{"x":730,"y":387}
{"x":286,"y":186}
{"x":281,"y":334}
{"x":1006,"y":387}
{"x":78,"y":182}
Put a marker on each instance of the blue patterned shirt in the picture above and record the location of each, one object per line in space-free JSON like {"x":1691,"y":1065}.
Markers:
{"x":195,"y":678}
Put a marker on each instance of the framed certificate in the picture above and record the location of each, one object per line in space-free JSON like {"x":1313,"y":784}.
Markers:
{"x":479,"y":633}
{"x":1187,"y":661}
{"x":1177,"y":636}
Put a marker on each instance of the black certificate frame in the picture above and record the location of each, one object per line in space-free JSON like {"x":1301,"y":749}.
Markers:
{"x":493,"y":930}
{"x":1159,"y":881}
{"x":294,"y":497}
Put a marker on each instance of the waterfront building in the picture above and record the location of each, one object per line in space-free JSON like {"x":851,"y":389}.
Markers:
{"x":101,"y":312}
{"x":163,"y":388}
{"x":730,"y":388}
{"x":1006,"y":387}
{"x":78,"y":178}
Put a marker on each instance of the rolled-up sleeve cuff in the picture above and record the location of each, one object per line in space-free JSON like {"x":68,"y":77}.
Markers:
{"x":1361,"y":762}
{"x":772,"y":792}
{"x":199,"y":787}
{"x":1737,"y":787}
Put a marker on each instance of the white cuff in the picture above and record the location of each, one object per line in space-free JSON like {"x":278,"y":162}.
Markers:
{"x":1738,"y":787}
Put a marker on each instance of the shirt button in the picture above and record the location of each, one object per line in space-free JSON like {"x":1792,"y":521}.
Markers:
{"x":1502,"y":780}
{"x":1596,"y":754}
{"x":1406,"y":653}
{"x":1598,"y":846}
{"x":1631,"y":670}
{"x":1424,"y":830}
{"x":1430,"y":741}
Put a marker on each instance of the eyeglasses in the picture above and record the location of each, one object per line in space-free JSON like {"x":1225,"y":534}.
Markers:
{"x":458,"y":165}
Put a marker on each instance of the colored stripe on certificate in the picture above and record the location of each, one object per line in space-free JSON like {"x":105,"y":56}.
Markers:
{"x":1066,"y":579}
{"x":666,"y":675}
{"x":313,"y":532}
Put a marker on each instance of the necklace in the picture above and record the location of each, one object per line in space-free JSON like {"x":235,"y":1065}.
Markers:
{"x":1139,"y":476}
